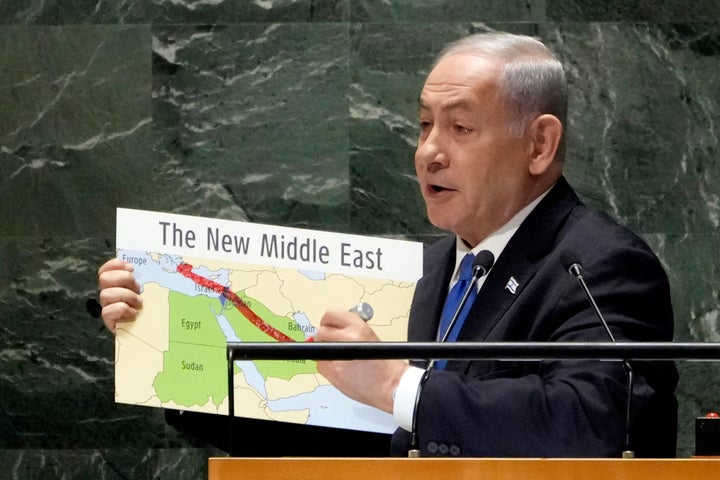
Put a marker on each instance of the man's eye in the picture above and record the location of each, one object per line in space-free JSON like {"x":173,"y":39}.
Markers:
{"x":424,"y":125}
{"x":462,"y":130}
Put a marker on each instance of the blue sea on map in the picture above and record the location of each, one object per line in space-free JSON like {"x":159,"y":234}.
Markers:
{"x":319,"y":402}
{"x":312,"y":275}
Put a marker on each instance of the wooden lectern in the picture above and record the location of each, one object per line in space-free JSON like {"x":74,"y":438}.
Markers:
{"x":462,"y":468}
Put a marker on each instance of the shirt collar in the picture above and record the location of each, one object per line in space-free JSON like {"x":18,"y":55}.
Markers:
{"x":496,"y":241}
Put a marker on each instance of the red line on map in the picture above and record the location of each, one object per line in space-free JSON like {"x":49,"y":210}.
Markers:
{"x":185,"y":269}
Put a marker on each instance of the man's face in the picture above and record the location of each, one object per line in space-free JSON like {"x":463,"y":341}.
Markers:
{"x":473,"y":172}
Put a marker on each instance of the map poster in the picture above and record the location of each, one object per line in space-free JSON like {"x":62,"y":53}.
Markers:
{"x":205,"y":282}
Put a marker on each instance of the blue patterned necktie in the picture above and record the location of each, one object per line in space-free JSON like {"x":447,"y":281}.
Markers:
{"x":452,"y":302}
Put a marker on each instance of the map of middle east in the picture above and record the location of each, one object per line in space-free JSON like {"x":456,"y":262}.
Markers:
{"x":174,"y":354}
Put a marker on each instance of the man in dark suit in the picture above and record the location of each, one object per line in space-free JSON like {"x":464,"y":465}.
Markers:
{"x":489,"y":162}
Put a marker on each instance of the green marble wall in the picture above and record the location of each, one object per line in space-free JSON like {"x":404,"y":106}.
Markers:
{"x":301,"y":113}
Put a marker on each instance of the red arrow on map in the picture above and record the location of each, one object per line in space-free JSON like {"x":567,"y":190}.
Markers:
{"x":185,"y":269}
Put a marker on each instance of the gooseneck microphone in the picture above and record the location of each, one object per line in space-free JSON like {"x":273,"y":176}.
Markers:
{"x":481,"y":266}
{"x":576,"y":271}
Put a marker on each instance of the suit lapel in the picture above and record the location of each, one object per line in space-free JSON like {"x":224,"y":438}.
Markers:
{"x":519,"y":261}
{"x":494,"y":298}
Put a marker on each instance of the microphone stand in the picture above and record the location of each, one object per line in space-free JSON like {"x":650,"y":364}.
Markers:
{"x":576,"y":270}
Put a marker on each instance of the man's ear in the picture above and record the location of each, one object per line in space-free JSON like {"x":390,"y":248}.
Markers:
{"x":545,"y":133}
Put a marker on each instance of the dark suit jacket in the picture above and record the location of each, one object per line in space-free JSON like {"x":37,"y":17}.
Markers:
{"x":550,"y":408}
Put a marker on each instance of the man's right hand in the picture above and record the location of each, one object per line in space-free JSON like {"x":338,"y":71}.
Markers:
{"x":119,"y":293}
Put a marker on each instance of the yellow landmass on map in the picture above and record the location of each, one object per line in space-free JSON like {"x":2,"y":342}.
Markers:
{"x":294,"y":416}
{"x":136,"y":365}
{"x":209,"y":407}
{"x":268,"y":288}
{"x":302,"y":383}
{"x":249,"y":403}
{"x":139,"y":348}
{"x":151,"y":323}
{"x":390,"y":300}
{"x":314,"y":297}
{"x":392,"y":310}
{"x":286,"y":291}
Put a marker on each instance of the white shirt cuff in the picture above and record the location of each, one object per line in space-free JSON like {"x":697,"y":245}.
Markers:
{"x":404,"y":398}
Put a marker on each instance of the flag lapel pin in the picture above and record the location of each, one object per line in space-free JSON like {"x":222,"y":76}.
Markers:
{"x":512,"y":285}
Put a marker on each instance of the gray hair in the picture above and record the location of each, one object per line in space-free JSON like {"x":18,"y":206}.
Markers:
{"x":532,"y":82}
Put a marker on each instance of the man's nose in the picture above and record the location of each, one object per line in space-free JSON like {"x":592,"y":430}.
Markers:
{"x":431,"y":153}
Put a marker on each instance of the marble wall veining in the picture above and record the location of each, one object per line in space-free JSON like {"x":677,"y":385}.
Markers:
{"x":302,"y":113}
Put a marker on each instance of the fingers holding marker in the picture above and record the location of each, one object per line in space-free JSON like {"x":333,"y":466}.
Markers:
{"x":336,"y":319}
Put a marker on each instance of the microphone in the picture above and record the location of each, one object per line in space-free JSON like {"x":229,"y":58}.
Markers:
{"x":576,"y":271}
{"x":481,"y":266}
